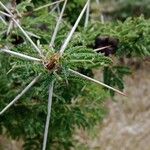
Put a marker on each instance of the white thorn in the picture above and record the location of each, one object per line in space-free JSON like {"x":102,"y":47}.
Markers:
{"x":58,"y":9}
{"x":9,"y":27}
{"x":101,"y":48}
{"x":65,"y":44}
{"x":96,"y":81}
{"x":21,"y":94}
{"x":48,"y":114}
{"x":32,"y":34}
{"x":20,"y":55}
{"x":57,"y":25}
{"x":47,"y":5}
{"x":53,"y":9}
{"x":87,"y":15}
{"x":5,"y":14}
{"x":1,"y":18}
{"x":25,"y":34}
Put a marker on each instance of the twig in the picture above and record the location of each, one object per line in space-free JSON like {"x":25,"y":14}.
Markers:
{"x":57,"y":25}
{"x":96,"y":81}
{"x":87,"y":15}
{"x":20,"y":55}
{"x":26,"y":35}
{"x":47,"y":5}
{"x":65,"y":44}
{"x":21,"y":94}
{"x":48,"y":114}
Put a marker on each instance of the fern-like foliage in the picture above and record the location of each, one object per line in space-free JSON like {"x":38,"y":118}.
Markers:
{"x":76,"y":102}
{"x":133,"y":35}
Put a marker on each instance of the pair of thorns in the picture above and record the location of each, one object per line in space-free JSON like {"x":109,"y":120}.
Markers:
{"x":53,"y":60}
